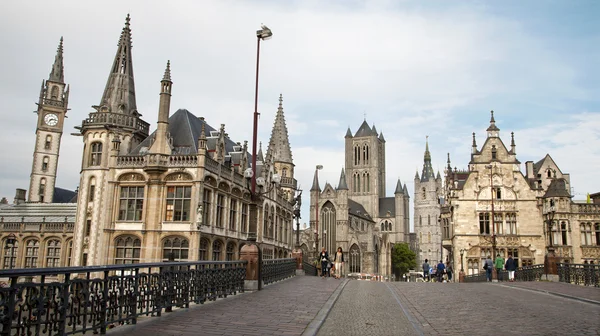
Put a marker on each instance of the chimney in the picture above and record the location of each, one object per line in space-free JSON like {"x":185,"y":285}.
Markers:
{"x":529,"y":170}
{"x":20,"y":196}
{"x":3,"y":200}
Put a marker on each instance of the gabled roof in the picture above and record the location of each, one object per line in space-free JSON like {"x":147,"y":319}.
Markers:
{"x":358,"y":210}
{"x":557,"y":188}
{"x":387,"y":204}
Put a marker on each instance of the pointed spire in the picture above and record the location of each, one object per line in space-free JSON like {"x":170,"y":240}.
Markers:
{"x":399,"y":189}
{"x":119,"y":93}
{"x":405,"y":189}
{"x":58,"y":72}
{"x":448,"y":162}
{"x":417,"y":175}
{"x":348,"y":133}
{"x":427,"y":168}
{"x":381,"y":137}
{"x":512,"y":142}
{"x":259,"y":156}
{"x":438,"y":176}
{"x":342,"y":185}
{"x":474,"y":146}
{"x":374,"y":130}
{"x":315,"y":185}
{"x":279,"y":144}
{"x":493,"y":129}
{"x":167,"y":75}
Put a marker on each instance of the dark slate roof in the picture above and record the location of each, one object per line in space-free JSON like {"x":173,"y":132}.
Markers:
{"x":537,"y":166}
{"x":342,"y":184}
{"x":387,"y":204}
{"x":185,"y":129}
{"x":399,"y":189}
{"x":38,"y":213}
{"x":357,"y":209}
{"x":364,"y":130}
{"x":557,"y":188}
{"x":64,"y":196}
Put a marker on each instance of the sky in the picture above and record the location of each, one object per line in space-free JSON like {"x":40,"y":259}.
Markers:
{"x":412,"y":68}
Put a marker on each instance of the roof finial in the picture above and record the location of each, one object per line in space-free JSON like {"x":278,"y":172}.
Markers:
{"x":127,"y":20}
{"x":365,"y":115}
{"x":280,"y":100}
{"x":492,"y":119}
{"x":167,"y":75}
{"x":474,"y":143}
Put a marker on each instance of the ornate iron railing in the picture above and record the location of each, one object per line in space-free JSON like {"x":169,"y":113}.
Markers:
{"x":309,"y":269}
{"x":278,"y":269}
{"x":579,"y":274}
{"x":525,"y":273}
{"x":70,"y":300}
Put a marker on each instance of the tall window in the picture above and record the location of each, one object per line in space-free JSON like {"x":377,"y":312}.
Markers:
{"x":424,"y":193}
{"x":91,"y":193}
{"x":220,"y":209}
{"x":96,"y":154}
{"x":232,"y":214}
{"x":244,"y":220}
{"x":179,"y":200}
{"x":284,"y":172}
{"x":203,"y":251}
{"x":10,"y":255}
{"x":563,"y":233}
{"x":511,"y":223}
{"x":131,"y":203}
{"x":48,"y":143}
{"x":53,"y":253}
{"x":498,"y":222}
{"x":127,"y":250}
{"x":354,"y":260}
{"x":473,"y":266}
{"x":484,"y":223}
{"x":494,"y":152}
{"x":176,"y":248}
{"x":272,"y":223}
{"x":515,"y":255}
{"x":586,"y":233}
{"x":446,"y":228}
{"x":356,"y":155}
{"x":217,"y":250}
{"x":230,"y":251}
{"x":45,"y":162}
{"x":32,"y":251}
{"x":266,"y":222}
{"x":328,"y":227}
{"x":69,"y":252}
{"x":428,"y":219}
{"x":88,"y":227}
{"x":42,"y":190}
{"x":206,"y":200}
{"x":498,"y":193}
{"x":367,"y":182}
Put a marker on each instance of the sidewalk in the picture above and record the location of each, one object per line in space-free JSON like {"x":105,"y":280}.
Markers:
{"x":584,"y":293}
{"x":283,"y":308}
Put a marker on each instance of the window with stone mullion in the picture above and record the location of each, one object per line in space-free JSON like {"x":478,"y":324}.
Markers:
{"x":179,"y":200}
{"x":220,"y":210}
{"x":31,"y":253}
{"x":232,"y":214}
{"x":53,"y":253}
{"x":131,"y":203}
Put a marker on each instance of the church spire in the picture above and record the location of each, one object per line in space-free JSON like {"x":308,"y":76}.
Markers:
{"x":315,"y":185}
{"x":427,"y":168}
{"x":399,"y":189}
{"x":119,"y":93}
{"x":279,"y":144}
{"x":58,"y":72}
{"x":448,"y":162}
{"x":342,"y":185}
{"x":493,"y":129}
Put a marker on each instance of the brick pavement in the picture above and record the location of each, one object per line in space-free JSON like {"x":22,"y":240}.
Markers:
{"x":284,"y":308}
{"x":559,"y":288}
{"x":492,"y":309}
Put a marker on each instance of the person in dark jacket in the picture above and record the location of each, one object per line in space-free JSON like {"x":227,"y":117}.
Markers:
{"x":324,"y":259}
{"x":440,"y":270}
{"x":510,"y":266}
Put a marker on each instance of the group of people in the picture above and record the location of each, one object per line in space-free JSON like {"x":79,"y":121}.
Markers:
{"x":327,"y":266}
{"x":510,"y":265}
{"x":438,"y":272}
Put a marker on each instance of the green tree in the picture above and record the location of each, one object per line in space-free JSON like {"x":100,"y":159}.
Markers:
{"x":403,"y":259}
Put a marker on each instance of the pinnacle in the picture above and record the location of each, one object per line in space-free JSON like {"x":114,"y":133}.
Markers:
{"x":57,"y":73}
{"x":167,"y":75}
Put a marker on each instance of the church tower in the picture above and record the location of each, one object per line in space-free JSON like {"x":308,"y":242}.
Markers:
{"x":365,"y":167}
{"x":279,"y":153}
{"x":52,"y":111}
{"x":112,"y":130}
{"x":428,"y":190}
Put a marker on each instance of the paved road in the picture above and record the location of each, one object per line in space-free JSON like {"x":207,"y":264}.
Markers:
{"x":284,"y":308}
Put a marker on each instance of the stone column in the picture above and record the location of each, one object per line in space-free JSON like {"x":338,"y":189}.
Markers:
{"x":550,"y":269}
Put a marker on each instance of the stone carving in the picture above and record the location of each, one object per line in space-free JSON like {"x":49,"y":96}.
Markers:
{"x":178,"y":177}
{"x":131,"y":177}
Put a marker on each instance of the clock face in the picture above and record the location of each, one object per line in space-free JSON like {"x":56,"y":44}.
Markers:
{"x":51,"y":119}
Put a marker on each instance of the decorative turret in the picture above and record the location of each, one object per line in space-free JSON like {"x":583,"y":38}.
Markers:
{"x":427,"y":168}
{"x":493,"y":130}
{"x":474,"y":146}
{"x":202,"y":137}
{"x":449,"y":167}
{"x":381,"y":138}
{"x":348,"y":133}
{"x":161,"y":141}
{"x":342,"y":184}
{"x":57,"y":74}
{"x":260,"y":157}
{"x":512,"y":143}
{"x":315,"y":185}
{"x":399,"y":189}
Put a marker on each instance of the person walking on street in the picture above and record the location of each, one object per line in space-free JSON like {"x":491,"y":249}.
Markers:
{"x":449,"y":271}
{"x":324,"y":258}
{"x":441,"y":268}
{"x":510,"y":266}
{"x":488,"y":265}
{"x":338,"y":259}
{"x":426,"y":270}
{"x":499,"y":263}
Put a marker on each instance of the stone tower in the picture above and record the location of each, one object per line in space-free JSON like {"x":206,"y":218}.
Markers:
{"x":279,"y":153}
{"x":52,"y":111}
{"x":365,"y":167}
{"x":428,"y":190}
{"x":114,"y":128}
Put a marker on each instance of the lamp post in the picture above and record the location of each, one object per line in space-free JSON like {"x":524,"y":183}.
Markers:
{"x":550,"y":257}
{"x":317,"y":168}
{"x":461,"y":275}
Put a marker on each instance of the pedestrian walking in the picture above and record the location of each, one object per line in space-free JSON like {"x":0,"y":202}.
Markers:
{"x":426,"y":270}
{"x":488,"y":265}
{"x":449,"y":271}
{"x":324,"y":258}
{"x":441,"y":269}
{"x":338,"y":259}
{"x":499,"y":263}
{"x":510,"y":266}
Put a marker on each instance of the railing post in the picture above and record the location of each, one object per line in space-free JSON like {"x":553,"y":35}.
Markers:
{"x":7,"y":323}
{"x":250,"y":253}
{"x":136,"y":295}
{"x":550,"y":271}
{"x":104,"y":301}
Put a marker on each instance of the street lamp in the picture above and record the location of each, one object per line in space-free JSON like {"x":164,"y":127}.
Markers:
{"x":461,"y":274}
{"x":550,"y":257}
{"x":297,"y":208}
{"x":317,"y":168}
{"x":11,"y":240}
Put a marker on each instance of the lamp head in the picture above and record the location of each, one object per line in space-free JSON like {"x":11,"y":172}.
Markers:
{"x":248,"y":173}
{"x":319,"y":167}
{"x":260,"y":181}
{"x":264,"y":33}
{"x":276,"y":178}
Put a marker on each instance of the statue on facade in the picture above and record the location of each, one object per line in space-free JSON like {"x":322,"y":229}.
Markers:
{"x":297,"y":205}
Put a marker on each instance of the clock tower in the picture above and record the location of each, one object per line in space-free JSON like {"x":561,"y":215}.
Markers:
{"x":51,"y":111}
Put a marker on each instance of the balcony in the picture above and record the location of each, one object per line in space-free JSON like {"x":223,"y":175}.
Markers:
{"x":117,"y":119}
{"x":37,"y":227}
{"x":288,"y":182}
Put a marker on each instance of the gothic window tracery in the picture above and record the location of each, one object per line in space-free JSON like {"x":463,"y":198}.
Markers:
{"x":53,"y":253}
{"x":230,"y":251}
{"x":203,"y":250}
{"x":175,"y":248}
{"x":96,"y":154}
{"x":328,"y":229}
{"x":32,"y":250}
{"x":128,"y":250}
{"x":217,"y":250}
{"x":354,"y":260}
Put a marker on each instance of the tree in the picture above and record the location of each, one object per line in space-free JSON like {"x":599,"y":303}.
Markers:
{"x":403,"y":259}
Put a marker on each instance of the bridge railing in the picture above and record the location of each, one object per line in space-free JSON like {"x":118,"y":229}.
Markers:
{"x":70,"y":300}
{"x":524,"y":273}
{"x":579,"y":274}
{"x":278,"y":269}
{"x":309,"y":269}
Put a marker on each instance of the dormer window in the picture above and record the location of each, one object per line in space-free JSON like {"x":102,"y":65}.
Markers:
{"x":494,"y":152}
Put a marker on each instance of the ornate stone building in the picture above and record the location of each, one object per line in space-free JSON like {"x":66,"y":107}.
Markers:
{"x":428,"y":191}
{"x":495,"y":199}
{"x":357,"y":216}
{"x":178,"y":192}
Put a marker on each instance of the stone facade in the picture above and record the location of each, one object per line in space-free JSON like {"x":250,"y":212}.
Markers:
{"x":357,"y":216}
{"x":495,"y":200}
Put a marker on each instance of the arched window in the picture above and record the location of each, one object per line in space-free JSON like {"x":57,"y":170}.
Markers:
{"x":176,"y":248}
{"x":382,"y":226}
{"x":48,"y":143}
{"x":53,"y":253}
{"x":203,"y":250}
{"x":365,"y":152}
{"x":266,"y":222}
{"x":230,"y":251}
{"x":549,"y":173}
{"x":128,"y":250}
{"x":563,"y":230}
{"x":54,"y":92}
{"x":92,"y":189}
{"x":494,"y":152}
{"x":356,"y":155}
{"x":390,"y":227}
{"x":272,"y":223}
{"x":424,"y":193}
{"x":32,"y":251}
{"x":357,"y":182}
{"x":367,"y":182}
{"x":10,"y":254}
{"x":217,"y":250}
{"x":96,"y":154}
{"x":586,"y":234}
{"x":328,"y":227}
{"x":45,"y":162}
{"x":354,"y":260}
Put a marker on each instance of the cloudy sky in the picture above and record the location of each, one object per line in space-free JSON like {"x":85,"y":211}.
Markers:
{"x":414,"y":68}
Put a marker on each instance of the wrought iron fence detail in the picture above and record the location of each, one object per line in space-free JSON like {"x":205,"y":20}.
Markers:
{"x":278,"y":269}
{"x":480,"y":277}
{"x":579,"y":274}
{"x":64,"y":301}
{"x":525,"y":273}
{"x":309,"y":269}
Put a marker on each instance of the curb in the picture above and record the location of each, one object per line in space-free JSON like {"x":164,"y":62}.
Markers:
{"x":317,"y":322}
{"x":556,"y":294}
